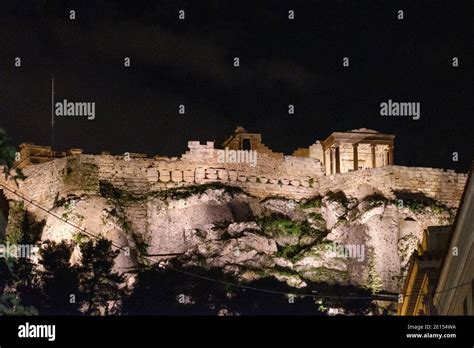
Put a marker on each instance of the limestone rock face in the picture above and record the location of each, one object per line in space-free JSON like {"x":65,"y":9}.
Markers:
{"x":332,"y":239}
{"x":348,"y":228}
{"x":280,"y":206}
{"x":332,"y":211}
{"x":172,"y":223}
{"x":96,"y":216}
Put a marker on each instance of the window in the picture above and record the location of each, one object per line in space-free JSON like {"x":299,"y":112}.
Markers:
{"x":246,"y":144}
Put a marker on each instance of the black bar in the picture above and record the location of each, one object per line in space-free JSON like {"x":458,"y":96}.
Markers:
{"x":288,"y":331}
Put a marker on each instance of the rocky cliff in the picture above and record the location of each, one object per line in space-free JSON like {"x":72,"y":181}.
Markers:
{"x":334,"y":238}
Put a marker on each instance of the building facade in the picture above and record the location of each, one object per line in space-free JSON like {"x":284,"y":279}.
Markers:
{"x":454,"y":293}
{"x":423,"y":270}
{"x":440,"y":278}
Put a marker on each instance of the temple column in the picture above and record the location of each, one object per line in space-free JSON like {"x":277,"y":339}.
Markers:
{"x":332,"y":156}
{"x":324,"y":158}
{"x":372,"y":152}
{"x":327,"y":156}
{"x":338,"y":159}
{"x":390,"y":155}
{"x":355,"y":156}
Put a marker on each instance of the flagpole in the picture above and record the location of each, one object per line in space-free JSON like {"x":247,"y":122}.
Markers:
{"x":52,"y":114}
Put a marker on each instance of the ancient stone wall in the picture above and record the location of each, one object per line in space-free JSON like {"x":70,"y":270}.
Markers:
{"x":292,"y":177}
{"x":256,"y":143}
{"x":444,"y":186}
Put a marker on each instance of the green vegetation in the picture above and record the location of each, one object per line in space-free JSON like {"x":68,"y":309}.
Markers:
{"x":374,"y":283}
{"x":221,"y":225}
{"x":143,"y":300}
{"x":277,"y":225}
{"x":7,"y":157}
{"x":341,"y":220}
{"x":188,"y":191}
{"x":269,"y":272}
{"x":68,"y":204}
{"x":125,"y":224}
{"x":141,"y":245}
{"x":58,"y":202}
{"x":120,"y":218}
{"x":321,"y":247}
{"x":282,"y":226}
{"x":289,"y":252}
{"x":417,"y":202}
{"x":438,"y":208}
{"x":325,"y":275}
{"x":315,"y":216}
{"x":275,"y":197}
{"x":108,"y":190}
{"x":282,"y":271}
{"x":418,"y":206}
{"x":14,"y":236}
{"x":414,"y":205}
{"x":79,"y":238}
{"x":98,"y":283}
{"x":55,"y":287}
{"x":16,"y":218}
{"x":339,"y":197}
{"x":407,"y":245}
{"x":81,"y":175}
{"x":10,"y":304}
{"x":375,"y":200}
{"x":68,"y":171}
{"x":315,"y":202}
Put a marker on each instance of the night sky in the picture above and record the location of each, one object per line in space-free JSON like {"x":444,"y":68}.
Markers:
{"x":282,"y":62}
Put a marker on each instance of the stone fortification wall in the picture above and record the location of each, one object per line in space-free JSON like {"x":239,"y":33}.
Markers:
{"x":291,"y":177}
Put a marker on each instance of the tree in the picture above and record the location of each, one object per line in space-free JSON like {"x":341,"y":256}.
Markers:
{"x":10,"y":304}
{"x":59,"y":280}
{"x":159,"y":291}
{"x":16,"y":275}
{"x":18,"y":291}
{"x":7,"y":157}
{"x":100,"y":286}
{"x":25,"y":282}
{"x":163,"y":292}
